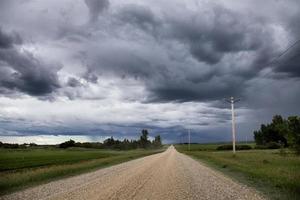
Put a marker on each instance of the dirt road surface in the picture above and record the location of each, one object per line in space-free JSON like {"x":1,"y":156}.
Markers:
{"x":167,"y":175}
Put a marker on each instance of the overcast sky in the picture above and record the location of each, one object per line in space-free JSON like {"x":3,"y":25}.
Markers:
{"x":90,"y":69}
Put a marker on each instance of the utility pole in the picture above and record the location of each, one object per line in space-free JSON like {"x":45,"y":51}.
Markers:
{"x":232,"y":101}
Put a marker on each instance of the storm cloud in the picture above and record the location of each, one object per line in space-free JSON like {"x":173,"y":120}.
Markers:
{"x":23,"y":72}
{"x":221,"y":50}
{"x":7,"y":41}
{"x":166,"y":65}
{"x":96,"y":7}
{"x":289,"y":63}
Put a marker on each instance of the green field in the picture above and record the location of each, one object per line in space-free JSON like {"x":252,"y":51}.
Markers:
{"x":21,"y":168}
{"x":275,"y":174}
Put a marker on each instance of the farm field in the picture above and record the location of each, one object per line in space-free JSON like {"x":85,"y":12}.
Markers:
{"x":21,"y":168}
{"x":273,"y":172}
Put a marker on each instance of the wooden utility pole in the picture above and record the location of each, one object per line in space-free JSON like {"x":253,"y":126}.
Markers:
{"x":232,"y":101}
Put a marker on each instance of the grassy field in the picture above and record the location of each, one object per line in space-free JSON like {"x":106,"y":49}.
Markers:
{"x":275,"y":174}
{"x":21,"y":168}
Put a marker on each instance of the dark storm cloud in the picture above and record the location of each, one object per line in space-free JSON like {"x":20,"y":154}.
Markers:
{"x":230,"y":48}
{"x":218,"y":48}
{"x":140,"y":16}
{"x":290,"y":62}
{"x":173,"y":51}
{"x":8,"y":40}
{"x":90,"y":76}
{"x":209,"y":40}
{"x":96,"y":7}
{"x":21,"y":71}
{"x":187,"y":91}
{"x":225,"y":32}
{"x":217,"y":37}
{"x":121,"y":60}
{"x":73,"y":82}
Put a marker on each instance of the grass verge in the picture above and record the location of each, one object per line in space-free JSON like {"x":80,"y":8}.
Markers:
{"x":275,"y":175}
{"x":21,"y":169}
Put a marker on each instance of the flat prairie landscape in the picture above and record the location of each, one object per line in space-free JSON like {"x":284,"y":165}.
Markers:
{"x":21,"y":168}
{"x":164,"y":176}
{"x":276,"y":173}
{"x":149,"y":100}
{"x":205,"y":172}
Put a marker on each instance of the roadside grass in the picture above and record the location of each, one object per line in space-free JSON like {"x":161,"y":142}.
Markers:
{"x":208,"y":146}
{"x":274,"y":174}
{"x":23,"y":168}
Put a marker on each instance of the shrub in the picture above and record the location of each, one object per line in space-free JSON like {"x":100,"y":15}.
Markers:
{"x":260,"y":147}
{"x":270,"y":145}
{"x":224,"y":147}
{"x":273,"y":145}
{"x":237,"y":147}
{"x":282,"y":151}
{"x":243,"y":147}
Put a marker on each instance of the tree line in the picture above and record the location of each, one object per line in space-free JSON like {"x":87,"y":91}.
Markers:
{"x":16,"y":146}
{"x":280,"y":132}
{"x":112,"y":143}
{"x":109,"y":143}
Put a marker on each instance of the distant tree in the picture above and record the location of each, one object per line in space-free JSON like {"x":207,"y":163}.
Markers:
{"x":258,"y":137}
{"x":277,"y":119}
{"x":9,"y":146}
{"x":294,"y":132}
{"x":280,"y":131}
{"x":144,"y":142}
{"x":33,"y":144}
{"x":125,"y":144}
{"x":277,"y":132}
{"x":70,"y":143}
{"x":280,"y":126}
{"x":157,"y":141}
{"x":134,"y":144}
{"x":109,"y":142}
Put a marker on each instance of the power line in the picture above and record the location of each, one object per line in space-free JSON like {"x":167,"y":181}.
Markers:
{"x":268,"y":74}
{"x":287,"y":49}
{"x":275,"y":60}
{"x":232,"y":100}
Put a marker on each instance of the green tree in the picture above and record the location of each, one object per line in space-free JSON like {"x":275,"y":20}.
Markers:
{"x":280,"y":126}
{"x":70,"y":143}
{"x":109,"y":142}
{"x":258,"y":137}
{"x":157,"y":141}
{"x":144,"y":142}
{"x":276,"y":132}
{"x":294,"y":132}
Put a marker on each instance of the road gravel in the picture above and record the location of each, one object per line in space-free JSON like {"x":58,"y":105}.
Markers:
{"x":168,"y":175}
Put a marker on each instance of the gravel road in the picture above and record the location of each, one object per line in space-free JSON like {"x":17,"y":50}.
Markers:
{"x":167,"y":175}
